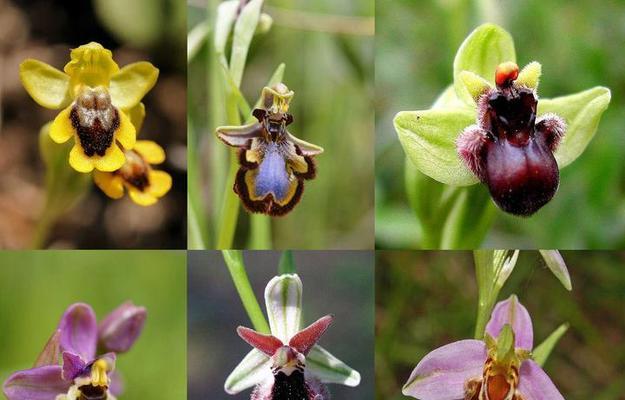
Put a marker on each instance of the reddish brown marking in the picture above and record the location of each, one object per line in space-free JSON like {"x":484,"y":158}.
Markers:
{"x":506,"y":73}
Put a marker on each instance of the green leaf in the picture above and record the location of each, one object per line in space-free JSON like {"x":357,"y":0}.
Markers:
{"x":481,"y":52}
{"x":226,"y":14}
{"x":429,"y":140}
{"x":556,"y":264}
{"x":196,"y":39}
{"x":581,"y":112}
{"x":469,"y":219}
{"x":543,"y":350}
{"x":243,"y":33}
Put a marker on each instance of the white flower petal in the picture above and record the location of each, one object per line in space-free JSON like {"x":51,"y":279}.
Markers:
{"x":283,"y":298}
{"x":254,"y":369}
{"x":330,"y":369}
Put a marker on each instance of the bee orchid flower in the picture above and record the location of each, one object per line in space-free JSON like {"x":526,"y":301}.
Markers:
{"x":69,"y":367}
{"x":95,"y":97}
{"x":288,"y":363}
{"x":273,"y":162}
{"x":500,"y":367}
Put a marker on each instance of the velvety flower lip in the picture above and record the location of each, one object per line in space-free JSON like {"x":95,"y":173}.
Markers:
{"x":95,"y":97}
{"x":273,"y":162}
{"x":468,"y":368}
{"x":287,"y":345}
{"x":79,"y":367}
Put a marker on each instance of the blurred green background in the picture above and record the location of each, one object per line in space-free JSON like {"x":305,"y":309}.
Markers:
{"x":37,"y":287}
{"x":427,"y":299}
{"x":137,"y":30}
{"x":579,"y":45}
{"x":327,"y":46}
{"x":335,"y":282}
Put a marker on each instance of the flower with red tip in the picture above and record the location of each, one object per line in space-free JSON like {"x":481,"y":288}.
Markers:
{"x":500,"y":367}
{"x":69,"y":367}
{"x":288,"y":363}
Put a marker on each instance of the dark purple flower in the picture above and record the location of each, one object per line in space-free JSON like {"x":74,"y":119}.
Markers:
{"x":496,"y":368}
{"x":509,"y":149}
{"x":69,"y":367}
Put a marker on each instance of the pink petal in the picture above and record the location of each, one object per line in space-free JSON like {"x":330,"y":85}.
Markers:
{"x":79,"y":331}
{"x":513,"y":313}
{"x":442,"y":374}
{"x":266,"y":343}
{"x":534,"y":384}
{"x":73,"y":366}
{"x":42,"y":383}
{"x":119,"y":330}
{"x":305,"y":340}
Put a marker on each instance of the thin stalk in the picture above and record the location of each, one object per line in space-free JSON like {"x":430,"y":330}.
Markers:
{"x":260,"y":232}
{"x":236,"y":266}
{"x":287,"y":264}
{"x":229,"y":209}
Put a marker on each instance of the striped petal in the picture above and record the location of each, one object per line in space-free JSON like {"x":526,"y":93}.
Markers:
{"x":329,"y":369}
{"x":283,"y":298}
{"x":254,"y":369}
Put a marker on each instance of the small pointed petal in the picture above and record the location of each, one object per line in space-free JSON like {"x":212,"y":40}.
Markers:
{"x":442,"y":374}
{"x":79,"y":331}
{"x":73,"y":366}
{"x":119,"y":330}
{"x":117,"y":384}
{"x":51,"y":353}
{"x":534,"y":384}
{"x":515,"y":314}
{"x":254,"y":369}
{"x":530,"y":75}
{"x":304,"y":340}
{"x":283,"y":298}
{"x":266,"y":343}
{"x":308,"y":149}
{"x":474,"y":84}
{"x":556,"y":264}
{"x":43,"y":383}
{"x":329,"y":369}
{"x":238,"y":136}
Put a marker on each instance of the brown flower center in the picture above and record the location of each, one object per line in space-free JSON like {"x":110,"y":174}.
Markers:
{"x":135,"y":171}
{"x":95,"y":119}
{"x":495,"y":384}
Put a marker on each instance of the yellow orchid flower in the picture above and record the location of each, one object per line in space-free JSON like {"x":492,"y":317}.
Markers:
{"x":144,"y":184}
{"x":96,"y":98}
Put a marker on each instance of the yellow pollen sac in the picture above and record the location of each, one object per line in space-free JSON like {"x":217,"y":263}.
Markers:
{"x":98,"y":373}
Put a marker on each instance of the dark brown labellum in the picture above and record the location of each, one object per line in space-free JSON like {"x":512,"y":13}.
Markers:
{"x":135,"y":171}
{"x":90,"y":392}
{"x":511,"y":152}
{"x":95,"y":120}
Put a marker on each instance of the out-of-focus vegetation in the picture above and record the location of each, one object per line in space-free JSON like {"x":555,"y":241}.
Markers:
{"x":339,"y":283}
{"x":427,"y":299}
{"x":578,"y":44}
{"x":327,"y":47}
{"x":135,"y":31}
{"x":37,"y":287}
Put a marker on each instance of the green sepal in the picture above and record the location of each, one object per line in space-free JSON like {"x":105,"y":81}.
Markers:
{"x":543,"y":350}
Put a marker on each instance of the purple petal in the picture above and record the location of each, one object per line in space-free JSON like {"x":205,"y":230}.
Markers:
{"x":42,"y":383}
{"x":117,"y":384}
{"x":119,"y":330}
{"x":73,"y":366}
{"x":534,"y":384}
{"x":513,"y":313}
{"x":79,"y":331}
{"x":442,"y":374}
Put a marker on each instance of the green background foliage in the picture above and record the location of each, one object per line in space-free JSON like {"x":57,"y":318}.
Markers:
{"x":339,"y":283}
{"x":576,"y":43}
{"x":37,"y":287}
{"x":427,"y":299}
{"x":331,"y":73}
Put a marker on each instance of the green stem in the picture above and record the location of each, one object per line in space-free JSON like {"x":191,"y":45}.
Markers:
{"x":236,"y":266}
{"x":260,"y":234}
{"x":42,"y":230}
{"x":229,"y":209}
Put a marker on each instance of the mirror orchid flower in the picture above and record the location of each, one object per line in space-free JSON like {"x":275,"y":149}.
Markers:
{"x":500,"y":367}
{"x":95,"y":97}
{"x":289,"y":360}
{"x":273,"y":162}
{"x":69,"y":367}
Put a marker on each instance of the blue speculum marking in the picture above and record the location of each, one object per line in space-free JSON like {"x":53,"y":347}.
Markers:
{"x":272,"y":174}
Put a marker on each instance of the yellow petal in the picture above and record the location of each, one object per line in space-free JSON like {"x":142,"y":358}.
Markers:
{"x":111,"y":161}
{"x":137,"y":115}
{"x":91,"y":65}
{"x":79,"y":160}
{"x":160,"y":183}
{"x":62,"y":129}
{"x":125,"y":133}
{"x":150,"y":151}
{"x":141,"y":198}
{"x":131,"y":83}
{"x":112,"y":185}
{"x":48,"y":86}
